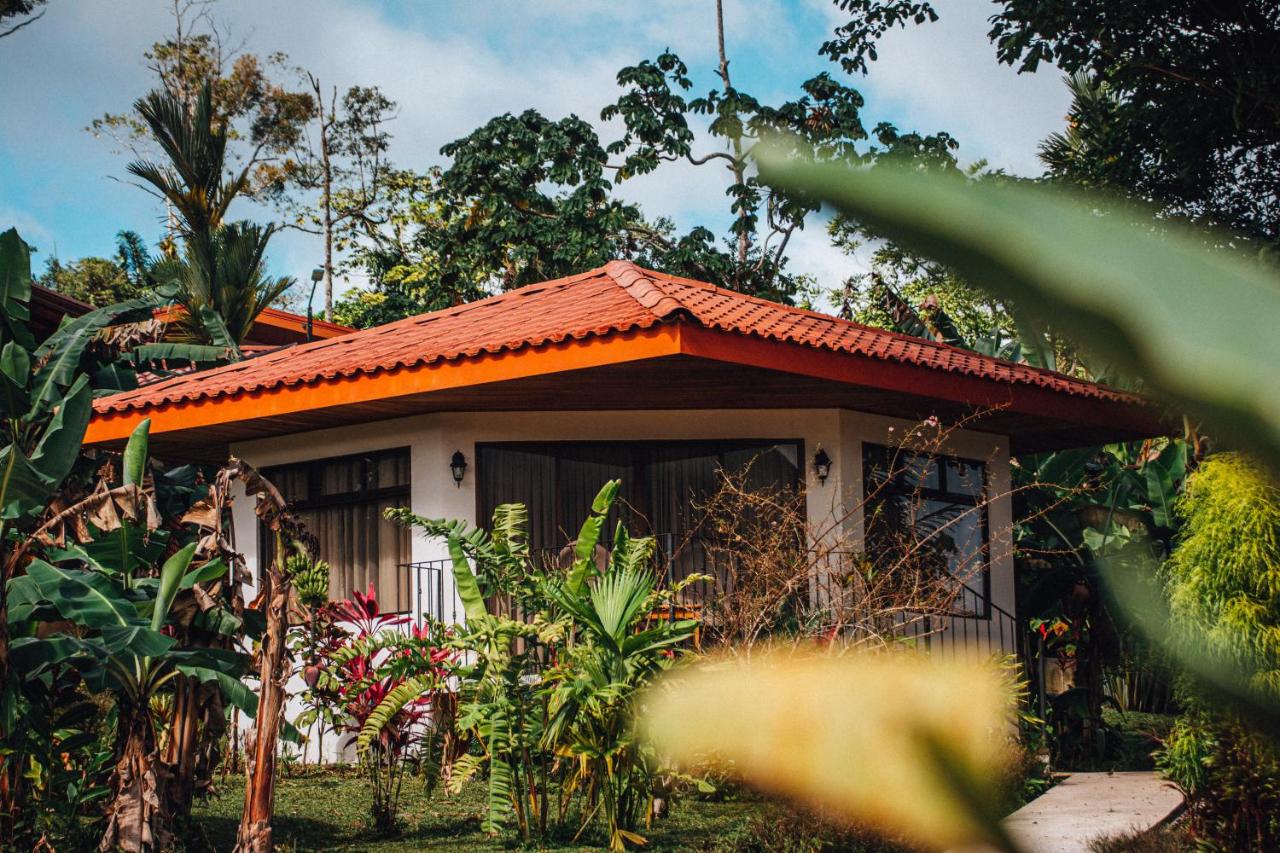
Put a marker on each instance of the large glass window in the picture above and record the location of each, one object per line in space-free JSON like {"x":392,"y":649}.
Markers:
{"x":662,"y":481}
{"x":929,"y":510}
{"x":341,"y":501}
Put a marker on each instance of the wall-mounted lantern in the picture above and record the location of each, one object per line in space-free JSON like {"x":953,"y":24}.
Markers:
{"x":458,"y":465}
{"x":822,"y":465}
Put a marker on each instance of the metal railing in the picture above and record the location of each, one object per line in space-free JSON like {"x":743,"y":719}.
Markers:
{"x":974,"y":626}
{"x":429,"y":591}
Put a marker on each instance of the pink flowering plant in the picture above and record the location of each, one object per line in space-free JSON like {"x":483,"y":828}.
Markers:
{"x":369,"y":661}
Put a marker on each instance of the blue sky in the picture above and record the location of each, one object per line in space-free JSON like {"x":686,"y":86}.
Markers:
{"x":453,"y":65}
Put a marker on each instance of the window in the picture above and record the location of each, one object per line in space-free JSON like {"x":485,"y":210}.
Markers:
{"x":341,"y":501}
{"x":660,"y":480}
{"x":935,"y":505}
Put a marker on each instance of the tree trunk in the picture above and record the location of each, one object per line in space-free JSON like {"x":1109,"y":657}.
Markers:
{"x":192,"y":754}
{"x":136,"y":819}
{"x":739,"y":166}
{"x":326,"y":170}
{"x":11,"y":796}
{"x":273,"y":671}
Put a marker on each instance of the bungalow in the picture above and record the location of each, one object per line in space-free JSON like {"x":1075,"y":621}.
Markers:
{"x":541,"y":394}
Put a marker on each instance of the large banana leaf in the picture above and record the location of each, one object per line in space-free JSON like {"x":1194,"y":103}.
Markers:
{"x":15,"y":289}
{"x":584,"y":549}
{"x":224,"y":667}
{"x":464,"y":581}
{"x":171,"y":574}
{"x":1197,"y":324}
{"x":87,"y":598}
{"x":22,"y":489}
{"x":15,"y":371}
{"x":25,"y":483}
{"x":62,"y":353}
{"x":59,"y":446}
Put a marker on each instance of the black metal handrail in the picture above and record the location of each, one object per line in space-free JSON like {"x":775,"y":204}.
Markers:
{"x":976,"y":625}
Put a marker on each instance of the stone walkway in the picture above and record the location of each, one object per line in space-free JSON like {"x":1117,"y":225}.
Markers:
{"x":1085,"y":806}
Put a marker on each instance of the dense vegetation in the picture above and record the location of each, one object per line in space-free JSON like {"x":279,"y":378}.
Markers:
{"x":1149,"y":570}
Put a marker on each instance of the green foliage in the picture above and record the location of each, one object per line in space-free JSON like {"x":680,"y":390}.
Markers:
{"x":1174,"y":101}
{"x":1231,"y":776}
{"x":95,"y":611}
{"x":1224,"y":576}
{"x":222,"y":285}
{"x":97,"y":281}
{"x":550,"y":697}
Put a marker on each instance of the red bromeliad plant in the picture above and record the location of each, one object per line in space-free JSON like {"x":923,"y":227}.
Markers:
{"x":380,"y":658}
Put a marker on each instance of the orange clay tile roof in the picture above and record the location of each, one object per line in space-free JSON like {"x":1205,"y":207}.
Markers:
{"x":615,"y":298}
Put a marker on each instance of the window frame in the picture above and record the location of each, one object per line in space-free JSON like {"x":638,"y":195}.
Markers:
{"x":315,"y":500}
{"x":978,"y":501}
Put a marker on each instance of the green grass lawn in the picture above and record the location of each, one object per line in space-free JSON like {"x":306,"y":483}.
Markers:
{"x":329,"y":810}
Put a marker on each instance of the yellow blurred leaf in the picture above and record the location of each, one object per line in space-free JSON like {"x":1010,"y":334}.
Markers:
{"x":897,"y":742}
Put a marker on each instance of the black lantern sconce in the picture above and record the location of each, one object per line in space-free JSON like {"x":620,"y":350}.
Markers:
{"x":458,"y":465}
{"x":822,"y":465}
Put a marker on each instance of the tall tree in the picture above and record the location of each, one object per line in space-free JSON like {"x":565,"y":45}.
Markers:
{"x":263,"y":118}
{"x":220,"y":279}
{"x":338,"y":172}
{"x":528,"y":197}
{"x":1183,"y":97}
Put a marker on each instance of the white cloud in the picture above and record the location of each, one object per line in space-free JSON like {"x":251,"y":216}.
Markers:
{"x":452,"y":65}
{"x":944,"y":76}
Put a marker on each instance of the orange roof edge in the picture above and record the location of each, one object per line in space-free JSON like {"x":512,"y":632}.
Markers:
{"x":573,"y":354}
{"x":275,"y":318}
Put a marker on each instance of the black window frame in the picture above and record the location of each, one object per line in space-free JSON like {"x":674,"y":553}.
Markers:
{"x":637,"y":485}
{"x":979,"y":501}
{"x":316,"y":500}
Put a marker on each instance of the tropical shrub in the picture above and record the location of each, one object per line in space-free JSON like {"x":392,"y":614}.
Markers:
{"x":550,"y":699}
{"x":1224,"y":592}
{"x":381,"y":681}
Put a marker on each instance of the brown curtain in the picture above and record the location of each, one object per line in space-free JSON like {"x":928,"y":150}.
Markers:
{"x":342,"y":500}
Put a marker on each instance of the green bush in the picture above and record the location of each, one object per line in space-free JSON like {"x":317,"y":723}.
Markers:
{"x":1223,"y":581}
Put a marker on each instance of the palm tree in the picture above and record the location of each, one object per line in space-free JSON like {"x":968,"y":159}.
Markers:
{"x":220,"y":281}
{"x":221,"y":285}
{"x":193,"y":183}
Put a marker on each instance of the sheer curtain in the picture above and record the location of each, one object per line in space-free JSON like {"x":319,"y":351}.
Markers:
{"x":341,"y":501}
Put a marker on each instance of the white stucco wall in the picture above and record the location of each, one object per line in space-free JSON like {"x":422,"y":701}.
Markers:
{"x":433,"y":439}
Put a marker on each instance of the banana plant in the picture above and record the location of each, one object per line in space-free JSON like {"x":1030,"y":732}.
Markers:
{"x":120,"y":603}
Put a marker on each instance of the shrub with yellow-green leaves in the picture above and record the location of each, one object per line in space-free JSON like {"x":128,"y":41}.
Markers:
{"x":1223,"y":581}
